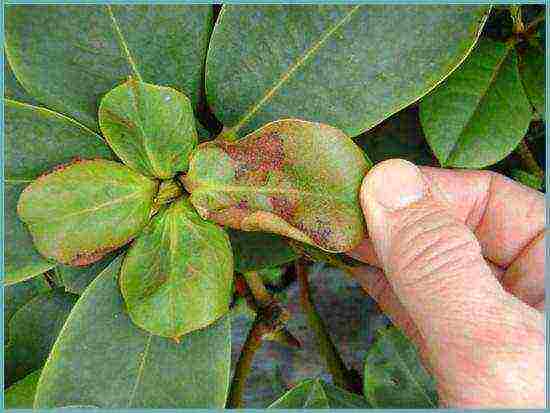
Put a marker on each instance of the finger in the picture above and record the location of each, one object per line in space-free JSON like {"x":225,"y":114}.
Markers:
{"x":477,"y":335}
{"x":505,"y":215}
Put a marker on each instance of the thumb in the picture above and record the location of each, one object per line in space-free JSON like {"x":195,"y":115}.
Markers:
{"x":472,"y":328}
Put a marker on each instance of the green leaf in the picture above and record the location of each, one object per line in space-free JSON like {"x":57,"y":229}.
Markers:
{"x":317,"y":394}
{"x":257,"y":250}
{"x":77,"y":279}
{"x":17,"y":295}
{"x":338,"y":65}
{"x":68,"y":56}
{"x":102,"y":359}
{"x":21,"y":394}
{"x":151,"y":128}
{"x":80,"y":212}
{"x":394,"y":376}
{"x":36,"y":140}
{"x":177,"y":276}
{"x":12,"y":88}
{"x":527,"y":178}
{"x":480,"y":114}
{"x":290,"y":177}
{"x":532,"y":71}
{"x":33,"y":330}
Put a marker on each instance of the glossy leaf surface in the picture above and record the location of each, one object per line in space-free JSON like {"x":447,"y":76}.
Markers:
{"x":21,"y":394}
{"x":68,"y":56}
{"x":177,"y":276}
{"x":394,"y":376}
{"x":102,"y":359}
{"x":36,"y":140}
{"x":151,"y":128}
{"x":257,"y":250}
{"x":532,"y":71}
{"x":33,"y":330}
{"x":290,"y":177}
{"x":80,"y":212}
{"x":480,"y":113}
{"x":317,"y":394}
{"x":338,"y":65}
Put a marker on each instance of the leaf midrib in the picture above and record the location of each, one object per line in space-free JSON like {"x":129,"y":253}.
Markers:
{"x":205,"y":188}
{"x":482,"y":97}
{"x":301,"y":60}
{"x":84,"y":211}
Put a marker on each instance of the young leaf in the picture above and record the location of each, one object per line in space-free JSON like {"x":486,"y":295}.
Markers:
{"x":479,"y":115}
{"x":317,"y":394}
{"x":102,"y":359}
{"x":394,"y":376}
{"x":254,"y":251}
{"x":290,"y":177}
{"x":36,"y":140}
{"x":151,"y":128}
{"x":21,"y":394}
{"x":68,"y":56}
{"x":339,"y":65}
{"x":532,"y":71}
{"x":33,"y":330}
{"x":80,"y":212}
{"x":177,"y":276}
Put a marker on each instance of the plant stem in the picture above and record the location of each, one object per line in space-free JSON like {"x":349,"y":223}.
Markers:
{"x":528,"y":160}
{"x":341,"y":376}
{"x":515,"y":12}
{"x":242,"y":369}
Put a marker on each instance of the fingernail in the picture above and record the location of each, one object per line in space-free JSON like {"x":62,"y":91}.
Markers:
{"x":395,"y":184}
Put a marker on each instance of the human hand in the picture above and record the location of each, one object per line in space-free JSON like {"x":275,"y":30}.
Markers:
{"x":462,"y":254}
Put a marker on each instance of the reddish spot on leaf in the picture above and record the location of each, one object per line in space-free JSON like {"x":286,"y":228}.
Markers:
{"x":283,"y":207}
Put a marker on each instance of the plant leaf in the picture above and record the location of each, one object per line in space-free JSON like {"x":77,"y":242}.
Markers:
{"x":257,"y":250}
{"x":68,"y":56}
{"x":21,"y":394}
{"x":532,"y":71}
{"x":394,"y":376}
{"x":77,"y":279}
{"x":318,"y":394}
{"x":17,"y":295}
{"x":151,"y":128}
{"x":177,"y":276}
{"x":80,"y":212}
{"x":33,"y":330}
{"x":338,"y":65}
{"x":102,"y":359}
{"x":12,"y":88}
{"x":36,"y":140}
{"x":290,"y":177}
{"x":479,"y":115}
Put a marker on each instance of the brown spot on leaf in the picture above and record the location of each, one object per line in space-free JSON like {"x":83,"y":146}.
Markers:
{"x":283,"y":207}
{"x":89,"y":257}
{"x":266,"y":153}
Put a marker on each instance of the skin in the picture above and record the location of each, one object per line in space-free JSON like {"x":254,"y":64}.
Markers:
{"x":456,"y":259}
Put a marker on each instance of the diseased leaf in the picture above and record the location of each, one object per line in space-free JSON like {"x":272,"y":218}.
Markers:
{"x":177,"y":276}
{"x":394,"y":376}
{"x":33,"y":330}
{"x":21,"y":394}
{"x":68,"y":56}
{"x":77,"y":279}
{"x":257,"y":250}
{"x":479,"y":115}
{"x":102,"y":359}
{"x":80,"y":212}
{"x":339,"y":65}
{"x":290,"y":177}
{"x":36,"y":140}
{"x":151,"y":128}
{"x":318,"y":394}
{"x":532,"y":71}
